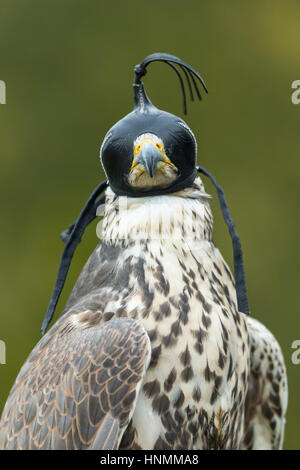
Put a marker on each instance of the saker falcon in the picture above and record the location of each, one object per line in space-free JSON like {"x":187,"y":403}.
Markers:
{"x":154,"y":349}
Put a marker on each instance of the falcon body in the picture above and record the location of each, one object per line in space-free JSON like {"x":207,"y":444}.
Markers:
{"x":151,"y":351}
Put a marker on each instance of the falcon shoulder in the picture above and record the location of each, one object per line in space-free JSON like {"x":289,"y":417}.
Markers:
{"x":267,"y":395}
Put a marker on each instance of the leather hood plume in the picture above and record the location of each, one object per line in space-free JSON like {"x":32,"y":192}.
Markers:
{"x":191,"y":75}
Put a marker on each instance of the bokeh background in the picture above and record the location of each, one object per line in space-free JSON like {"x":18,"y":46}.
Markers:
{"x":68,"y":68}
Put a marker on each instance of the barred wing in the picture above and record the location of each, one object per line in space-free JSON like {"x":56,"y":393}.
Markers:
{"x":78,"y":388}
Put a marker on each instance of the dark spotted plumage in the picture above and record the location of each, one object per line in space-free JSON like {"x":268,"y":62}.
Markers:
{"x":266,"y":400}
{"x":151,"y":351}
{"x":79,"y":393}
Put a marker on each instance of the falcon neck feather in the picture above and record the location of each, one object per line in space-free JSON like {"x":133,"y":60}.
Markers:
{"x":72,"y":236}
{"x":180,"y":218}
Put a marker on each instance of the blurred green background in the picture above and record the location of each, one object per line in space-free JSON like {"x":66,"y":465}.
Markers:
{"x":68,"y":68}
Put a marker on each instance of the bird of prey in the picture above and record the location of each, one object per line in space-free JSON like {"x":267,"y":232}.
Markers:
{"x":154,"y":349}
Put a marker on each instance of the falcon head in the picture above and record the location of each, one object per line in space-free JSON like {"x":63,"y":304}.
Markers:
{"x":150,"y":151}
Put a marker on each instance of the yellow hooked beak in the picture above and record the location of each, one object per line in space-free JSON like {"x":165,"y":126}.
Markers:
{"x":150,"y":156}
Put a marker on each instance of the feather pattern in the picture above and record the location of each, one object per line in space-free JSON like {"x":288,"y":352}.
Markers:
{"x":267,"y":396}
{"x":78,"y":388}
{"x":151,"y":351}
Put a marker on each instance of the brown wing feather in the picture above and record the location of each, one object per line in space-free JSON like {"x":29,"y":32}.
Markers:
{"x":78,"y":388}
{"x":266,"y":400}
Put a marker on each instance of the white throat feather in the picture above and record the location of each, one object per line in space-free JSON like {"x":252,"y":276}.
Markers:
{"x":184,"y":215}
